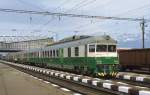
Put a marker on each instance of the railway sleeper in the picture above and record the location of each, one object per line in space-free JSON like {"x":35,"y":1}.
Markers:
{"x":110,"y":87}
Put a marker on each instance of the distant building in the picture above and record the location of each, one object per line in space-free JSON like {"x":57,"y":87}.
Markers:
{"x":26,"y":45}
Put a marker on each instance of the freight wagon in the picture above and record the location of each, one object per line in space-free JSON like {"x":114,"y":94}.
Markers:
{"x":135,"y":59}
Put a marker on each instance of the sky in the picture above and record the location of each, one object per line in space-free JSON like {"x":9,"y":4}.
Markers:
{"x":127,"y":33}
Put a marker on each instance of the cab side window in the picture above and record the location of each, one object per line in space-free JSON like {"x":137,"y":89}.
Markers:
{"x":91,"y":48}
{"x":111,"y":48}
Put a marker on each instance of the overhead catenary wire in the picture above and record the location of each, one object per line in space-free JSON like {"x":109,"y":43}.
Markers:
{"x":105,"y":4}
{"x":77,"y":5}
{"x":32,"y":6}
{"x":21,"y":1}
{"x":133,"y":10}
{"x":85,"y":5}
{"x":52,"y":18}
{"x":128,"y":11}
{"x":24,"y":2}
{"x":62,"y":4}
{"x":70,"y":15}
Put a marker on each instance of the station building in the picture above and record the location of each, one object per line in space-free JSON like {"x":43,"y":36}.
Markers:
{"x":26,"y":45}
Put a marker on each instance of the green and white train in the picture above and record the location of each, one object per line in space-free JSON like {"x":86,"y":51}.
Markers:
{"x":92,"y":55}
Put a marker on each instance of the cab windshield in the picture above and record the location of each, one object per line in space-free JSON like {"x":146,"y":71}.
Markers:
{"x":102,"y":48}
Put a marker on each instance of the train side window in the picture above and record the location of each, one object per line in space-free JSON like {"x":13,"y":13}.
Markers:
{"x":69,"y":52}
{"x":101,"y":48}
{"x":111,"y":48}
{"x":32,"y":54}
{"x":91,"y":48}
{"x":53,"y":53}
{"x":38,"y":54}
{"x":43,"y":54}
{"x":76,"y":51}
{"x":35,"y":54}
{"x":46,"y":53}
{"x":49,"y":53}
{"x":57,"y":53}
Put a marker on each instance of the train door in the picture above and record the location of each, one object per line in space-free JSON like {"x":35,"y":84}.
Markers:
{"x":86,"y":51}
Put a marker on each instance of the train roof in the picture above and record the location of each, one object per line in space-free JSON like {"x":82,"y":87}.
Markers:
{"x":85,"y":38}
{"x":79,"y":40}
{"x":75,"y":37}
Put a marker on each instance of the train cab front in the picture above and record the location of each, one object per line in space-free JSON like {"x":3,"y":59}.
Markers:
{"x":107,"y":71}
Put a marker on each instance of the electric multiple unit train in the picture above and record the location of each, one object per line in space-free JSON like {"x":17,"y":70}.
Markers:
{"x":91,"y":55}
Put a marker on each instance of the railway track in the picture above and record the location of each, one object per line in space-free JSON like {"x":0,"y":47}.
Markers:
{"x":136,"y":79}
{"x":128,"y":82}
{"x":140,"y":71}
{"x":82,"y":84}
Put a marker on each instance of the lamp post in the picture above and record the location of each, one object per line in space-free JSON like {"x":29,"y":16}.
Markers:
{"x":143,"y":32}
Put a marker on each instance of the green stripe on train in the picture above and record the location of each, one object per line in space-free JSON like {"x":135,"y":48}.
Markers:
{"x":70,"y":63}
{"x":76,"y":60}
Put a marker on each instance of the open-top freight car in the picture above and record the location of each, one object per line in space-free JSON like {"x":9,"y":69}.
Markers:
{"x":135,"y":59}
{"x":82,"y":54}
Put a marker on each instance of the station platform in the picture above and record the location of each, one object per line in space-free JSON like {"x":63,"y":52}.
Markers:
{"x":14,"y":82}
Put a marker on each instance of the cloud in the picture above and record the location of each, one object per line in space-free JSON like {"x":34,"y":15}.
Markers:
{"x":65,"y":26}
